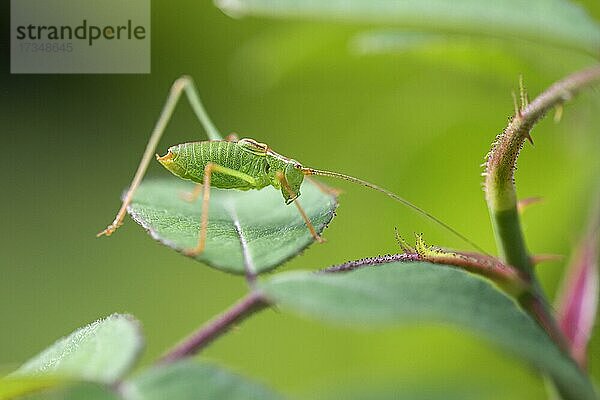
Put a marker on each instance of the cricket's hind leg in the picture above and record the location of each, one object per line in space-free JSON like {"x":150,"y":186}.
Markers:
{"x":205,"y":189}
{"x":284,"y":183}
{"x":184,"y":84}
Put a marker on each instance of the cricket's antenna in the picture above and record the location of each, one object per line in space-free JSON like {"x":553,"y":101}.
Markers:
{"x":311,"y":171}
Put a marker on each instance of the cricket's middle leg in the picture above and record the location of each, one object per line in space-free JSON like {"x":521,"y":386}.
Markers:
{"x":208,"y":171}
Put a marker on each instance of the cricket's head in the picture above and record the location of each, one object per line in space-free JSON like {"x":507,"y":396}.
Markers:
{"x":282,"y":171}
{"x":294,"y":176}
{"x":170,"y":161}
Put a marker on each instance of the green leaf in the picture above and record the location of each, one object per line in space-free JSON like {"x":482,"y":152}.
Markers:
{"x":407,"y":292}
{"x":407,"y":392}
{"x":102,"y":351}
{"x":12,"y":387}
{"x":384,"y":41}
{"x":253,"y":228}
{"x":77,"y":391}
{"x":190,"y":380}
{"x":556,"y":22}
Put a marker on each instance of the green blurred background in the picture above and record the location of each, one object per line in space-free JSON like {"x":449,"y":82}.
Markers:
{"x":418,"y":122}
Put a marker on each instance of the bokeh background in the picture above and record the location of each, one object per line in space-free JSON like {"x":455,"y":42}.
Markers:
{"x":417,"y":121}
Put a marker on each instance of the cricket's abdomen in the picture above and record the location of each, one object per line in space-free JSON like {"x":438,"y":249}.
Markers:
{"x":190,"y":160}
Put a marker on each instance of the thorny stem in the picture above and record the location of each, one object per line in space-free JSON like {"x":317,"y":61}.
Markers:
{"x":502,"y":198}
{"x":501,"y":163}
{"x":370,"y":261}
{"x":244,"y":308}
{"x":503,"y":275}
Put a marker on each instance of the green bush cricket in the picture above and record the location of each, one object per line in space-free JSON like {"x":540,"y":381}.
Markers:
{"x":243,"y":164}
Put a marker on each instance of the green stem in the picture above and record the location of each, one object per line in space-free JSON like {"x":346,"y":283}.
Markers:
{"x":501,"y":194}
{"x":509,"y":239}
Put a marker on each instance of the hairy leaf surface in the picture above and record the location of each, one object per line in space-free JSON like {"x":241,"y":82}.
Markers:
{"x":102,"y":351}
{"x":398,"y":293}
{"x":252,"y":230}
{"x":186,"y":380}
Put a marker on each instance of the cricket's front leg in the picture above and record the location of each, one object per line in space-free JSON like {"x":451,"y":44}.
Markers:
{"x":208,"y":170}
{"x":284,"y":183}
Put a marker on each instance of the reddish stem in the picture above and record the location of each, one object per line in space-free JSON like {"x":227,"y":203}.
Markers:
{"x":249,"y":305}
